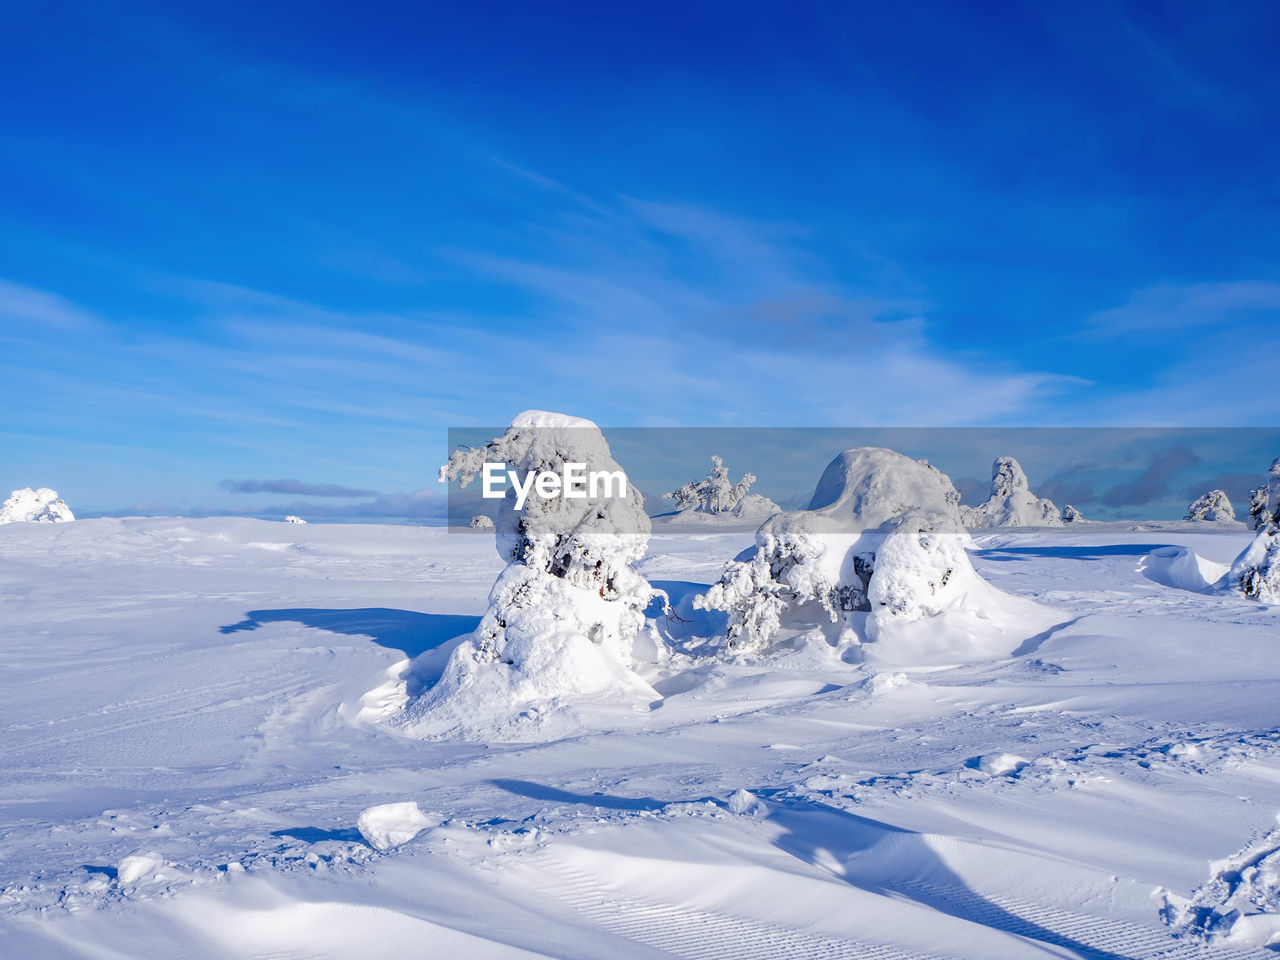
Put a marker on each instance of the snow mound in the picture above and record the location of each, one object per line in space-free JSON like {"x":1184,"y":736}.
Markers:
{"x":880,"y":551}
{"x":481,"y":522}
{"x":39,"y":506}
{"x":998,"y":764}
{"x":715,"y":497}
{"x":1212,"y":507}
{"x":1256,"y":572}
{"x":562,"y":616}
{"x":1071,"y":515}
{"x":744,"y":803}
{"x":1011,"y":504}
{"x":292,"y":519}
{"x":137,"y":867}
{"x":390,"y":825}
{"x":1182,"y":568}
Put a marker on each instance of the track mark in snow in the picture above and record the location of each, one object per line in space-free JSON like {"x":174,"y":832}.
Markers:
{"x":1095,"y":938}
{"x":703,"y":935}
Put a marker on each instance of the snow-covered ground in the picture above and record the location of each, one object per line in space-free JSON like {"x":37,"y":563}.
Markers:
{"x":190,"y":739}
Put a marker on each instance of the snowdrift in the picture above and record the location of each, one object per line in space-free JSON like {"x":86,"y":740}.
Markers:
{"x":1011,"y":504}
{"x":39,"y":506}
{"x":880,"y":559}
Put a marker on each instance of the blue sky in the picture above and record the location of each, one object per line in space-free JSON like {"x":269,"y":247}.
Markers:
{"x":247,"y":244}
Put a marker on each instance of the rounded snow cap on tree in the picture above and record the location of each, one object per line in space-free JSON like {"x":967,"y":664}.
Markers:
{"x":867,"y":487}
{"x":548,"y":419}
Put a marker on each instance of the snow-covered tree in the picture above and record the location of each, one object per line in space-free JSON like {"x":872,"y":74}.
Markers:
{"x":563,"y":614}
{"x":1264,"y":502}
{"x":880,"y":545}
{"x":716,"y":495}
{"x":1071,"y":515}
{"x":39,"y":506}
{"x":1256,"y":572}
{"x":1258,"y":514}
{"x":1213,"y":507}
{"x":1011,"y":504}
{"x":1273,"y":490}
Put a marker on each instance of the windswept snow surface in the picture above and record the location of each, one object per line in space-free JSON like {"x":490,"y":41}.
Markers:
{"x":193,"y":760}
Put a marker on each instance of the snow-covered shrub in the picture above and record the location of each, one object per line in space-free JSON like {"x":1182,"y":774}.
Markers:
{"x":1256,"y":572}
{"x":481,"y":522}
{"x":1071,"y":515}
{"x":881,"y":545}
{"x":715,"y":495}
{"x":40,"y":506}
{"x":1011,"y":504}
{"x":1213,"y":507}
{"x":563,"y":614}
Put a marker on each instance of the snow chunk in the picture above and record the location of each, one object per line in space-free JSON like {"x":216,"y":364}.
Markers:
{"x":390,"y":825}
{"x":292,"y":519}
{"x":880,"y":683}
{"x":1212,"y":507}
{"x":744,"y":803}
{"x":1011,"y":504}
{"x":998,"y":764}
{"x":39,"y":506}
{"x":137,"y":867}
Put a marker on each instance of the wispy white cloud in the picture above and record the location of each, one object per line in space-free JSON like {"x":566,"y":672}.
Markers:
{"x":1174,"y":306}
{"x":26,"y":311}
